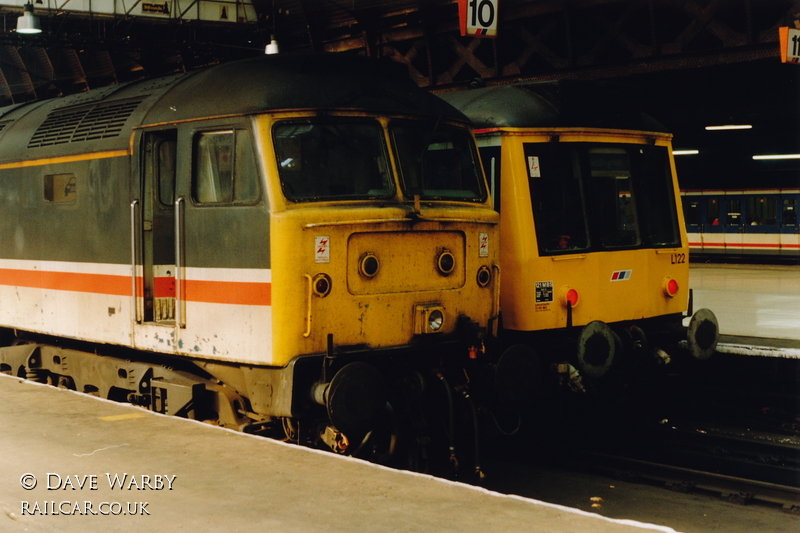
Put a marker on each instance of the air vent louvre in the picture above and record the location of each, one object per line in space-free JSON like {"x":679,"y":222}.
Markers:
{"x":86,"y":124}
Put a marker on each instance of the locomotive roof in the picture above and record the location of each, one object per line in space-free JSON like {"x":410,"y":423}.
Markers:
{"x":558,"y":104}
{"x":315,"y":81}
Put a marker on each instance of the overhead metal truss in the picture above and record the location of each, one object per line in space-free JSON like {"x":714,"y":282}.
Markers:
{"x":537,"y":39}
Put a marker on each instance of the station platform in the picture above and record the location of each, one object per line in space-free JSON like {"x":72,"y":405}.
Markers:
{"x":757,"y":306}
{"x":71,"y":462}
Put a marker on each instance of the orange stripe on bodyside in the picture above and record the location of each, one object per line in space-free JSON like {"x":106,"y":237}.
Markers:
{"x":218,"y":292}
{"x":67,"y":281}
{"x":228,"y":292}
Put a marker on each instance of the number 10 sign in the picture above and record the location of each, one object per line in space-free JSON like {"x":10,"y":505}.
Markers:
{"x":478,"y":17}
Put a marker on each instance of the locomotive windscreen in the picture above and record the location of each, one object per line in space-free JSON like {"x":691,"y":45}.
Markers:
{"x":437,"y":162}
{"x":326,"y":160}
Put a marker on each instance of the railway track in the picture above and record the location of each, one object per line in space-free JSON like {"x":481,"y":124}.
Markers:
{"x":687,"y":480}
{"x":734,"y":444}
{"x":769,"y":458}
{"x":749,"y":456}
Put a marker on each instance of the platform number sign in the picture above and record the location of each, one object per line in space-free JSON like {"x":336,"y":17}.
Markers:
{"x":478,"y":18}
{"x":790,"y":44}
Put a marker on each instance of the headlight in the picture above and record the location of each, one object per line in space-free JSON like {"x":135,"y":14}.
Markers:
{"x":428,"y":318}
{"x":435,"y":320}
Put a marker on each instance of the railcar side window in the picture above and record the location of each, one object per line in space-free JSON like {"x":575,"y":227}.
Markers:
{"x":734,"y":213}
{"x":324,"y":160}
{"x":60,"y":188}
{"x":224,"y":168}
{"x":790,"y":212}
{"x":437,"y":161}
{"x":762,"y":211}
{"x":692,"y":213}
{"x":712,"y":212}
{"x":490,"y":156}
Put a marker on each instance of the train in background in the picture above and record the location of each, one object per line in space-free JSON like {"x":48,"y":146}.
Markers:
{"x":301,"y":246}
{"x":595,"y":256}
{"x":745,"y":223}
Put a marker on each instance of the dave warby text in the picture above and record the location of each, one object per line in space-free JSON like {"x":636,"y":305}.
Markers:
{"x":112,"y":481}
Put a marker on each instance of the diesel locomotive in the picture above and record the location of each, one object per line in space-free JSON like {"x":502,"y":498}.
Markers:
{"x":595,"y":255}
{"x":290,"y":244}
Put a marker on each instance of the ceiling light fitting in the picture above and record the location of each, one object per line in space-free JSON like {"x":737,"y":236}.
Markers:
{"x":272,"y":47}
{"x":729,"y":127}
{"x":28,"y":23}
{"x":778,"y":156}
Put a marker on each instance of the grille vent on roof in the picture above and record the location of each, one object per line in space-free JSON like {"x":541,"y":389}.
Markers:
{"x":85,"y":124}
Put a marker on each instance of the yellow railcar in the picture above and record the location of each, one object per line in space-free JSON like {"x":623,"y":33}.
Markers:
{"x":594,"y":251}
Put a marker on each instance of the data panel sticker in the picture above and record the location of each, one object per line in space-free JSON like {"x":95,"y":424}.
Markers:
{"x":544,"y":292}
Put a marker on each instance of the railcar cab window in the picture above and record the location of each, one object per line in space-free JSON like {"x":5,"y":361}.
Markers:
{"x":224,"y":168}
{"x":557,"y":198}
{"x":326,"y":159}
{"x":592,"y":196}
{"x":612,"y":192}
{"x":437,"y":161}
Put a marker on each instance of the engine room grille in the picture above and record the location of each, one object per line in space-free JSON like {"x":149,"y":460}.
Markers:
{"x":86,"y":124}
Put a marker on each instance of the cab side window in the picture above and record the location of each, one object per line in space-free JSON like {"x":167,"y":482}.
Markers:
{"x":224,"y":168}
